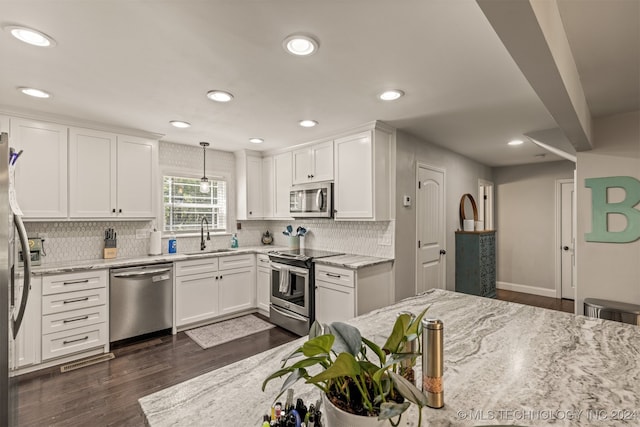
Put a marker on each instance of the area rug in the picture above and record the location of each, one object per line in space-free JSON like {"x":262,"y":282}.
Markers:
{"x":229,"y":330}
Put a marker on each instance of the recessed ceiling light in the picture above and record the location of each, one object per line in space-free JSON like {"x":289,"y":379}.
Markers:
{"x":300,"y":44}
{"x":180,"y":124}
{"x":36,"y":93}
{"x":307,"y":123}
{"x":31,"y":36}
{"x":391,"y":95}
{"x":256,"y":140}
{"x":219,"y":96}
{"x":515,"y":142}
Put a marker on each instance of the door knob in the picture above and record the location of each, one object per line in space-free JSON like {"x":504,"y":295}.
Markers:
{"x":443,"y":252}
{"x":565,"y":248}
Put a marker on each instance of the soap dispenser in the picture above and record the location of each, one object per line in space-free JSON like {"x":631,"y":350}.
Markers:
{"x":234,"y":241}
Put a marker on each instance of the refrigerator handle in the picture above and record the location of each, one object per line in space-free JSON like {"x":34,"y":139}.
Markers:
{"x":24,"y":243}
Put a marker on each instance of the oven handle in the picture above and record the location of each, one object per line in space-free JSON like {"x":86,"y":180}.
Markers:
{"x":298,"y":271}
{"x":290,"y":315}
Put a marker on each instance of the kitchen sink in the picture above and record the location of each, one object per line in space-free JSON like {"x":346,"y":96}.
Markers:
{"x":210,"y":251}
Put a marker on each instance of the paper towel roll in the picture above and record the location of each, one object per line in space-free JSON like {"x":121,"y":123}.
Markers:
{"x":468,"y":225}
{"x":155,"y":243}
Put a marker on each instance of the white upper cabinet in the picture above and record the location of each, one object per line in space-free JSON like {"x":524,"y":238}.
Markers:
{"x":313,"y":163}
{"x":268,"y":187}
{"x":249,"y":185}
{"x":41,"y":171}
{"x":363,"y":182}
{"x":282,"y":180}
{"x":111,"y":176}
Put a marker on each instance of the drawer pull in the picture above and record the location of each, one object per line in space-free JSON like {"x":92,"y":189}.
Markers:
{"x":334,"y":275}
{"x":78,"y":340}
{"x":264,"y":260}
{"x":75,"y":282}
{"x":70,"y":301}
{"x":77,"y":319}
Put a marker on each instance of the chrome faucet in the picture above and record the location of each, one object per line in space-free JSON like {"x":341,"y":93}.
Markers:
{"x":202,"y":221}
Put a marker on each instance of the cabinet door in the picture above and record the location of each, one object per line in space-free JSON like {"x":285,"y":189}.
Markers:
{"x":254,"y":187}
{"x":263,"y":289}
{"x":92,"y":173}
{"x":41,"y":171}
{"x":268,"y":187}
{"x":333,"y":302}
{"x":353,"y":187}
{"x":237,"y":290}
{"x":28,"y":338}
{"x":302,"y":165}
{"x":322,"y":168}
{"x":196,"y":298}
{"x":282,"y":184}
{"x":136,"y":187}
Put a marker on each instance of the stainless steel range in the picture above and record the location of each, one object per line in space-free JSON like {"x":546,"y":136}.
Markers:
{"x":293,"y":288}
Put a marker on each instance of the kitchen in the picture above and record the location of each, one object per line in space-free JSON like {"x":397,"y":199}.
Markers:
{"x":78,"y":237}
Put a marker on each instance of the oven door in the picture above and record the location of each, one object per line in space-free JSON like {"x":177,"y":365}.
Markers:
{"x":294,"y":295}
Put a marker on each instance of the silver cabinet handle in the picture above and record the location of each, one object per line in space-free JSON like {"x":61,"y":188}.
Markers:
{"x":334,"y":275}
{"x":289,"y":315}
{"x":142,"y":273}
{"x":78,"y":340}
{"x":77,"y":319}
{"x":70,"y":301}
{"x":75,"y":282}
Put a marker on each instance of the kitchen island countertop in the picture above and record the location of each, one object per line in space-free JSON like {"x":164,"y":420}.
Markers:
{"x":505,"y":363}
{"x":353,"y":262}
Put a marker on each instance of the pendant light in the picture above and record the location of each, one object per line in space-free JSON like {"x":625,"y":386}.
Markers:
{"x":204,"y":182}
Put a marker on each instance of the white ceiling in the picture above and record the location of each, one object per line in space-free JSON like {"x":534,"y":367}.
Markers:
{"x":139,"y":64}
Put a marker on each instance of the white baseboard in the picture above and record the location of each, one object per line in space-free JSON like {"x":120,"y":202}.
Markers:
{"x":545,"y":292}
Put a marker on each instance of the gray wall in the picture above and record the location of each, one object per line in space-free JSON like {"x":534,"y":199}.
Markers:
{"x":525,"y":217}
{"x":461,"y":176}
{"x":608,"y":270}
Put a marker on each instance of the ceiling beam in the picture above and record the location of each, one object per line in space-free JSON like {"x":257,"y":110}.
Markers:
{"x":534,"y":36}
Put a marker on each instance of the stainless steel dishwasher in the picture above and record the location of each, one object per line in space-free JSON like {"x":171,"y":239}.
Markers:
{"x":140,"y":300}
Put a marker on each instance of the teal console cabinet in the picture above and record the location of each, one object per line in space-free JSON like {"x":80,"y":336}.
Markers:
{"x":476,"y":263}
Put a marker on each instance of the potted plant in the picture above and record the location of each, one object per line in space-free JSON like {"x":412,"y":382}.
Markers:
{"x":355,"y":375}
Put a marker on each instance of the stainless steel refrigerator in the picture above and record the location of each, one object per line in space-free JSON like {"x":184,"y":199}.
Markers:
{"x":12,"y":306}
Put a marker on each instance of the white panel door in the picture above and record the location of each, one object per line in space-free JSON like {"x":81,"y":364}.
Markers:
{"x":302,"y":165}
{"x":334,"y":303}
{"x":237,"y":290}
{"x":353,"y":196}
{"x":254,"y":187}
{"x":283,"y":175}
{"x":263,"y":288}
{"x":322,"y":157}
{"x":136,"y":185}
{"x":567,"y":241}
{"x":92,"y":173}
{"x":196,"y":298}
{"x":41,"y":171}
{"x":430,"y":230}
{"x":268,"y":187}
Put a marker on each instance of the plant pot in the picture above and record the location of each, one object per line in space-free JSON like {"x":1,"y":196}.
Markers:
{"x":333,"y":416}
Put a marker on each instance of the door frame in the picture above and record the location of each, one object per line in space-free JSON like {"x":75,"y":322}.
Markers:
{"x":558,"y":232}
{"x":488,"y":213}
{"x":443,"y":262}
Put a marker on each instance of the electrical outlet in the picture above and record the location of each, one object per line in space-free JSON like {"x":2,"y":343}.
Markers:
{"x":142,"y":233}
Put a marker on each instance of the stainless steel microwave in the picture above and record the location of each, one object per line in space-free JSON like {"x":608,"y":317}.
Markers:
{"x":311,"y":200}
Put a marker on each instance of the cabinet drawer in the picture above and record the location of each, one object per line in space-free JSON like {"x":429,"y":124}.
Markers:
{"x":74,"y":282}
{"x":74,"y":340}
{"x":73,"y":319}
{"x":262,"y":261}
{"x":196,"y":266}
{"x":339,"y":276}
{"x":58,"y":303}
{"x":236,"y":261}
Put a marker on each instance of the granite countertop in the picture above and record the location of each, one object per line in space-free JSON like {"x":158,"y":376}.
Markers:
{"x":353,"y":262}
{"x":97,"y":264}
{"x":505,"y":363}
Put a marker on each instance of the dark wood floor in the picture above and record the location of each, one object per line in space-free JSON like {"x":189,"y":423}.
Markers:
{"x":106,"y":394}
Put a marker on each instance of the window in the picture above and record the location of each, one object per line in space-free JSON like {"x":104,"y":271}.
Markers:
{"x":185,"y":205}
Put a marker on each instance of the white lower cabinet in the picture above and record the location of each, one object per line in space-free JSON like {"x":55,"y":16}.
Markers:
{"x":208,"y":288}
{"x":342,"y":293}
{"x":74,"y":313}
{"x":263,"y":283}
{"x":27,"y":345}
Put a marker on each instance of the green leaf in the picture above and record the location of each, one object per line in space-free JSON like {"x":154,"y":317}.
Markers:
{"x":408,"y":390}
{"x":392,"y":409}
{"x":416,"y":325}
{"x":345,"y":365}
{"x":348,"y":338}
{"x":318,"y":345}
{"x":276,"y":374}
{"x":376,"y":349}
{"x":291,"y":380}
{"x":315,"y":330}
{"x":368,"y":367}
{"x":290,"y":355}
{"x":305,"y":363}
{"x":397,"y":334}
